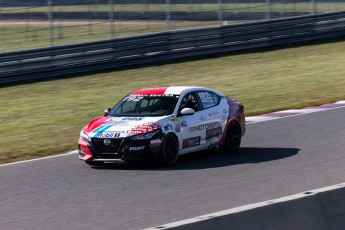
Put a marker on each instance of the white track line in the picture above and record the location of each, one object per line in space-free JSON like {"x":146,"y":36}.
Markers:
{"x":252,"y":120}
{"x":41,"y":158}
{"x":299,"y":112}
{"x":246,"y":207}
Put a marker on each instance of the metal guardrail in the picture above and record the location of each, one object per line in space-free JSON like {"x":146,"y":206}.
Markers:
{"x":120,"y":52}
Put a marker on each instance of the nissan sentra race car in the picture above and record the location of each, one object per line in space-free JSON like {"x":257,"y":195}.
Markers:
{"x":163,"y":123}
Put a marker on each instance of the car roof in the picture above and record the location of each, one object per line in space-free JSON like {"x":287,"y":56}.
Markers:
{"x":175,"y":90}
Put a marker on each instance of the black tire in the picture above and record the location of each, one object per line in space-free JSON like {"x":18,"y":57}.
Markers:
{"x":233,"y":138}
{"x":95,"y":163}
{"x":169,"y":151}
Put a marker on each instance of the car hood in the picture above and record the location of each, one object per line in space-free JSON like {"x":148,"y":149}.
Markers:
{"x":110,"y":127}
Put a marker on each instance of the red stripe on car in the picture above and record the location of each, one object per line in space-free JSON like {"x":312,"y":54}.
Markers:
{"x":156,"y":90}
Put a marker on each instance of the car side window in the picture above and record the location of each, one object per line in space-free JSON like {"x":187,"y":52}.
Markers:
{"x":207,"y":99}
{"x":190,"y":101}
{"x":216,"y":98}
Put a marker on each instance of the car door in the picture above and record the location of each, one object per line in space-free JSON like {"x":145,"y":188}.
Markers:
{"x":213,"y":124}
{"x":191,"y":125}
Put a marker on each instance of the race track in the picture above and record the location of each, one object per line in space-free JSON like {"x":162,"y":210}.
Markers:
{"x":278,"y":158}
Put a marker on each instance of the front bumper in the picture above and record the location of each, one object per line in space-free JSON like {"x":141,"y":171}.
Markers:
{"x":119,"y":149}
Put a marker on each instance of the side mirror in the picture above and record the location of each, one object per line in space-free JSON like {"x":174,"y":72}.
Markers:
{"x":187,"y":111}
{"x":107,"y":111}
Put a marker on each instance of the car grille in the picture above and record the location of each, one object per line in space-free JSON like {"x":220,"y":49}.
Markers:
{"x":100,"y":147}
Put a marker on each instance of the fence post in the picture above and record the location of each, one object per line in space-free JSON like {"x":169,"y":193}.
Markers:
{"x":50,"y":21}
{"x":90,"y":22}
{"x":111,"y":19}
{"x":220,"y":12}
{"x":167,"y":15}
{"x":27,"y":25}
{"x":60,"y":33}
{"x":312,"y":6}
{"x":268,"y":9}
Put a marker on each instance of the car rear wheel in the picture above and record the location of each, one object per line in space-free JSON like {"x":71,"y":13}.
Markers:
{"x":169,"y":151}
{"x":232,"y":138}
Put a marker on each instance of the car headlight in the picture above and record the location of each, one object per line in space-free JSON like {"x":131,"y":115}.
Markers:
{"x":84,"y":136}
{"x":145,"y":136}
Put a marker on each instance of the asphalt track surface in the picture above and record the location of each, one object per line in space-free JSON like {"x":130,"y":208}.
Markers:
{"x":278,"y":158}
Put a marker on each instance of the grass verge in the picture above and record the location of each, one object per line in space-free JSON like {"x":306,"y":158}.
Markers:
{"x":199,"y":7}
{"x":41,"y":118}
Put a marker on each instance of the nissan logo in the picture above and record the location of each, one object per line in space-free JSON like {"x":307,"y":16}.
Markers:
{"x":107,"y":141}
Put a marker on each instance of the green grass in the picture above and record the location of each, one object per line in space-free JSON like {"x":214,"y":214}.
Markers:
{"x":43,"y":118}
{"x":206,"y":7}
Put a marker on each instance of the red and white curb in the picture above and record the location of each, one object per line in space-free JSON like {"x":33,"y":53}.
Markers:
{"x":42,"y":158}
{"x":294,"y":112}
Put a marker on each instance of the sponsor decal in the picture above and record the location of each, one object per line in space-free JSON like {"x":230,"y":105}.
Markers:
{"x":101,"y":128}
{"x":194,"y":141}
{"x":202,"y":118}
{"x":113,"y":119}
{"x":205,"y":126}
{"x":213,"y":114}
{"x":155,"y":141}
{"x":184,"y":124}
{"x":178,"y":127}
{"x":150,"y":95}
{"x":132,"y":119}
{"x":225,"y":111}
{"x":168,"y":127}
{"x":136,"y":149}
{"x":139,"y":97}
{"x":118,"y":123}
{"x":107,"y":134}
{"x":216,"y":132}
{"x":174,"y":119}
{"x":144,"y":128}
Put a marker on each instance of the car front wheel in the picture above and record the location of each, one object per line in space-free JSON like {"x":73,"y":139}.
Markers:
{"x":169,"y":151}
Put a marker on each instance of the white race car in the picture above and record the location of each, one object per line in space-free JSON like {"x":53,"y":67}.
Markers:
{"x":163,"y":123}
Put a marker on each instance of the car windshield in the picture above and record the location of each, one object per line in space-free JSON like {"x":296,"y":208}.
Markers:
{"x":145,"y":105}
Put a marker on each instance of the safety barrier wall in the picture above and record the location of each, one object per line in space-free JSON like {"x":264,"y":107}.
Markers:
{"x":100,"y":55}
